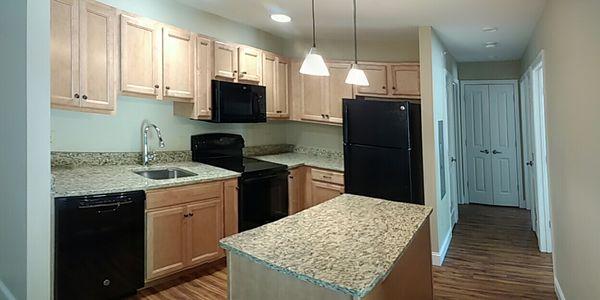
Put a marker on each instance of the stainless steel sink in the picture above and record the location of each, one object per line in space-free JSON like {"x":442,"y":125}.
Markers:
{"x":167,"y":173}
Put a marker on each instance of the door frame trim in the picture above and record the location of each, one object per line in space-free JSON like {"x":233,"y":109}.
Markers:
{"x":515,"y":84}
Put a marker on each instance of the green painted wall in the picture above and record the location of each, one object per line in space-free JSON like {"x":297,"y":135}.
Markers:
{"x":569,"y":34}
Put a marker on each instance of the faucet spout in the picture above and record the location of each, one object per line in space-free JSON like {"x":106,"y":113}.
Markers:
{"x":147,"y":155}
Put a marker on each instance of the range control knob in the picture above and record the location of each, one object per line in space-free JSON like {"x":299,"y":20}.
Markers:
{"x":106,"y":282}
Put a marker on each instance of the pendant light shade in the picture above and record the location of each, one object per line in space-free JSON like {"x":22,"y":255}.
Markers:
{"x":356,"y":76}
{"x":313,"y":63}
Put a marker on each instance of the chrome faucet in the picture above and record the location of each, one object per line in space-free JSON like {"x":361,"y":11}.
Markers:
{"x":147,"y":155}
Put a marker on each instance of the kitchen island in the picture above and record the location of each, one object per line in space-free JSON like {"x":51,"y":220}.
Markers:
{"x":350,"y":247}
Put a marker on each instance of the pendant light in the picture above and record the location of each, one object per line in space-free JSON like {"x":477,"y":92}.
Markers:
{"x":313,"y":63}
{"x":356,"y":76}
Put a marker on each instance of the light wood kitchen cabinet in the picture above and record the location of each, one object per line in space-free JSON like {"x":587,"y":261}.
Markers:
{"x":275,"y":78}
{"x":322,"y":192}
{"x":166,"y":238}
{"x":406,"y":80}
{"x":83,"y":50}
{"x":250,"y":64}
{"x":178,"y":64}
{"x":377,"y":74}
{"x":201,"y":107}
{"x":141,"y":56}
{"x":337,"y":89}
{"x":183,"y":227}
{"x":230,"y":192}
{"x":225,"y":61}
{"x":296,"y":189}
{"x":323,"y":185}
{"x":312,"y":96}
{"x":205,"y":229}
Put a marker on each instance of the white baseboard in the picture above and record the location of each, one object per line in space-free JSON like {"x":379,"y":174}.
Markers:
{"x":559,"y":292}
{"x":437,"y":258}
{"x":5,"y":293}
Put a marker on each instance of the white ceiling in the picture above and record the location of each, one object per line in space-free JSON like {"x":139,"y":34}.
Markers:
{"x":458,"y":22}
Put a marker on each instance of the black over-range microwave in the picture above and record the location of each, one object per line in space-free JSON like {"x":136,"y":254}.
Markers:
{"x":238,"y":103}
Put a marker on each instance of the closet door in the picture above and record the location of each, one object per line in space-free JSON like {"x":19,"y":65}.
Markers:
{"x":503,"y":144}
{"x":97,"y":55}
{"x":178,"y":64}
{"x":477,"y":125}
{"x":64,"y":53}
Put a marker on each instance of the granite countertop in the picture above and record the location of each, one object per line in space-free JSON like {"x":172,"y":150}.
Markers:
{"x":294,"y":159}
{"x":348,"y":244}
{"x":89,"y":180}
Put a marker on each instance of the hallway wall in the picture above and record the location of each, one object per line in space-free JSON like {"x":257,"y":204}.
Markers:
{"x":569,"y":33}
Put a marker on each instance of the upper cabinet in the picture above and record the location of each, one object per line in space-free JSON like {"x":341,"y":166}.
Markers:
{"x":141,"y":56}
{"x":200,"y":107}
{"x":225,"y":61}
{"x":406,"y":80}
{"x":83,"y":42}
{"x":391,"y":80}
{"x":275,"y":78}
{"x":178,"y":64}
{"x":337,"y":89}
{"x":250,"y":64}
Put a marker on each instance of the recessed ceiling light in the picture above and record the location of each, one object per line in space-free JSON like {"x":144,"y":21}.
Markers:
{"x":489,"y":29}
{"x":491,"y":44}
{"x":281,"y":18}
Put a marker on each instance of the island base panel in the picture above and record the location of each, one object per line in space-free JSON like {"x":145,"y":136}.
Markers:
{"x":411,"y":278}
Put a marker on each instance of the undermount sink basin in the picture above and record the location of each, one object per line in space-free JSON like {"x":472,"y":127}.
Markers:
{"x":167,"y":173}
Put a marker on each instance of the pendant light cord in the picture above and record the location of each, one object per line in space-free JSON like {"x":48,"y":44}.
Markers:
{"x":314,"y":30}
{"x":355,"y":42}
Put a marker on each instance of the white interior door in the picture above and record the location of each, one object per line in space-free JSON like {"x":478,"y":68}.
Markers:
{"x":503,"y":135}
{"x":477,"y":126}
{"x":452,"y":151}
{"x":528,"y":148}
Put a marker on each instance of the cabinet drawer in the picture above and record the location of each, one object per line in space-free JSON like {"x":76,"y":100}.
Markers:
{"x":183,"y":194}
{"x":328,"y":176}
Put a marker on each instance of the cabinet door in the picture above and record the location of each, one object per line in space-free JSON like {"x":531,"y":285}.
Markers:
{"x":377,"y":76}
{"x":225,"y":60}
{"x":337,"y":89}
{"x":249,"y":64}
{"x":205,"y":229}
{"x":296,"y":187}
{"x":64,"y":53}
{"x":178,"y":64}
{"x":141,"y":55}
{"x":97,"y":54}
{"x":230,"y":206}
{"x":406,"y":80}
{"x":322,"y":192}
{"x":203,"y":78}
{"x":282,"y":86}
{"x":165,"y":240}
{"x":313,"y":90}
{"x":269,"y":80}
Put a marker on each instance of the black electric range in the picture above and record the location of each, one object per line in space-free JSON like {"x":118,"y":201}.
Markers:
{"x":263,"y":186}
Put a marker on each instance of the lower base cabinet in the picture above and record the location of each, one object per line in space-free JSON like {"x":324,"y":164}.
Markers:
{"x":311,"y":186}
{"x":322,"y":191}
{"x":184,"y":226}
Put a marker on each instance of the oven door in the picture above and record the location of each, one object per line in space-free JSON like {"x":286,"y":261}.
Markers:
{"x":262,"y":199}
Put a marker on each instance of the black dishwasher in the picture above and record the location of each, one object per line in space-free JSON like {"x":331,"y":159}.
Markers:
{"x":99,"y":246}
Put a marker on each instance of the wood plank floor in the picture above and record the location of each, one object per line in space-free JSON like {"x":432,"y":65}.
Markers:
{"x":493,"y":255}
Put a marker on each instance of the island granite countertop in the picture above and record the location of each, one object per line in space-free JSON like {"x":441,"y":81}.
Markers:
{"x":90,"y":180}
{"x":295,"y":159}
{"x":348,"y":244}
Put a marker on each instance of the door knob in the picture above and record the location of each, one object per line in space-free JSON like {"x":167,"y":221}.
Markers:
{"x":530,"y":163}
{"x":485,"y":151}
{"x":453,"y":159}
{"x":496,"y":152}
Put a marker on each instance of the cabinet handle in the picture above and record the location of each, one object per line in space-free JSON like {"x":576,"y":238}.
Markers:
{"x":383,"y":87}
{"x":278,"y":111}
{"x":186,"y":215}
{"x":76,"y":96}
{"x":291,"y":177}
{"x":156,"y":86}
{"x":393,"y":88}
{"x":234,"y":71}
{"x":326,"y":177}
{"x":191,"y":214}
{"x":327,"y":116}
{"x":244,"y":72}
{"x":84,"y":97}
{"x":167,"y":87}
{"x":323,"y":116}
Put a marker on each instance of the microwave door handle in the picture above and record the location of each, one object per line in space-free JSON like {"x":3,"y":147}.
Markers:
{"x":256,"y":105}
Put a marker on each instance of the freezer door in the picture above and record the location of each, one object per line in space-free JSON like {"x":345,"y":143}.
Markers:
{"x":377,"y":123}
{"x":378,"y":172}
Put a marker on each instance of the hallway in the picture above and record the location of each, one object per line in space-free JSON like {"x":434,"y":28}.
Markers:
{"x":494,"y":255}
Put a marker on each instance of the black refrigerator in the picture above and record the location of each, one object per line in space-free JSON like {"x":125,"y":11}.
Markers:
{"x":383,"y":150}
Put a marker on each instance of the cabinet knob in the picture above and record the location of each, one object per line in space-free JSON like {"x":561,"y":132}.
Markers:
{"x":156,"y":86}
{"x":234,"y":71}
{"x":167,"y":87}
{"x":186,"y":215}
{"x":84,"y":97}
{"x":322,"y":116}
{"x":278,"y":111}
{"x":76,"y":96}
{"x":244,"y":72}
{"x":327,"y":116}
{"x":383,"y":87}
{"x":393,"y":88}
{"x":191,"y":214}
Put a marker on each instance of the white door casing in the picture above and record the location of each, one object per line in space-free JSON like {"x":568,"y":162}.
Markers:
{"x":452,"y":146}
